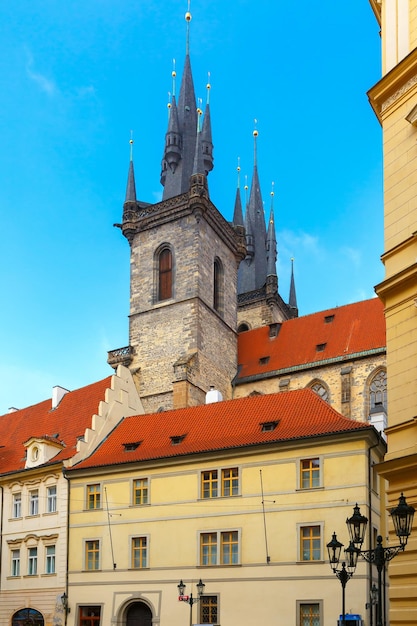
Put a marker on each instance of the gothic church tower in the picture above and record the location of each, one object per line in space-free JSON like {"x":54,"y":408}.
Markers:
{"x":184,"y":261}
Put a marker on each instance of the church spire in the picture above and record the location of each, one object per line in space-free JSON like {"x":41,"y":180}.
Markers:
{"x":131,"y":186}
{"x":237,"y":213}
{"x":206,"y":139}
{"x":271,"y":241}
{"x":292,"y":303}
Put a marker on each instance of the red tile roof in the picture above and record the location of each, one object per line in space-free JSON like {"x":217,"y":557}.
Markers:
{"x":339,"y":332}
{"x":65,"y":423}
{"x":220,"y":426}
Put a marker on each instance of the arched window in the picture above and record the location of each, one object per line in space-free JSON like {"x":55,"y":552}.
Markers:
{"x":218,"y":286}
{"x":320,"y":389}
{"x":27,"y":616}
{"x":378,"y":392}
{"x":165,"y":274}
{"x":139,"y":614}
{"x":243,"y":327}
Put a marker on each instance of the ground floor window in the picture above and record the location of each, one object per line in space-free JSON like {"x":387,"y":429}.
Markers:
{"x":89,"y":615}
{"x":208,"y":610}
{"x":309,"y":614}
{"x":138,"y":614}
{"x":27,"y":616}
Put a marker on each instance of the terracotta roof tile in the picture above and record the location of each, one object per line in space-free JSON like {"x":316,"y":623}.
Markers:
{"x":338,"y":332}
{"x":69,"y":421}
{"x":219,"y":426}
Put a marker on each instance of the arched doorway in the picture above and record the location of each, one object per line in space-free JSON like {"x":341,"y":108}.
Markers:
{"x":138,"y":614}
{"x":27,"y":617}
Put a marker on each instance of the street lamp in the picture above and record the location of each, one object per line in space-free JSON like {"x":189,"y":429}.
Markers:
{"x":402,"y":517}
{"x":189,"y":599}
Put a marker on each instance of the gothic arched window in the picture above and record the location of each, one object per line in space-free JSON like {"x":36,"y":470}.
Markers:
{"x":378,"y":392}
{"x":27,"y":616}
{"x":218,"y":285}
{"x":165,"y":274}
{"x":320,"y":389}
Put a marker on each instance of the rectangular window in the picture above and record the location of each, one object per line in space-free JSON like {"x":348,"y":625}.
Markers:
{"x":229,"y":479}
{"x":139,"y":552}
{"x":209,"y":610}
{"x":219,"y":548}
{"x":230,"y":482}
{"x":50,"y":560}
{"x":140,"y":491}
{"x":51,"y":499}
{"x":92,"y":555}
{"x":310,"y":543}
{"x":309,"y":614}
{"x":89,"y":615}
{"x":34,"y":502}
{"x":33,"y":561}
{"x":94,"y":496}
{"x":15,"y":569}
{"x":310,"y":473}
{"x":17,"y":505}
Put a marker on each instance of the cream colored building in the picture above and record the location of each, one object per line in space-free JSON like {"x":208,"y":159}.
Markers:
{"x":242,"y":494}
{"x":394,"y":99}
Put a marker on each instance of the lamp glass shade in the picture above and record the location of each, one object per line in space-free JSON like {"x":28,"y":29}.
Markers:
{"x":200,"y":587}
{"x":402,"y":517}
{"x":334,"y":548}
{"x":357,"y":526}
{"x":181,"y":588}
{"x":352,"y":554}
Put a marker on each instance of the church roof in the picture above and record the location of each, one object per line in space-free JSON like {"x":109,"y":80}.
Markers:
{"x":337,"y":333}
{"x":66,"y":423}
{"x":290,"y":415}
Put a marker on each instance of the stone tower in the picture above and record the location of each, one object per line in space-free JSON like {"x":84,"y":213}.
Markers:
{"x":184,"y":261}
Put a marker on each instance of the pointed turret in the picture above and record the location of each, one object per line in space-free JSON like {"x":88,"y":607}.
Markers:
{"x":198,"y":166}
{"x":271,"y":242}
{"x":292,"y":303}
{"x":206,"y":139}
{"x":238,"y":213}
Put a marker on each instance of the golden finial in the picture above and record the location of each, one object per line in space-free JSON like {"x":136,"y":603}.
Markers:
{"x":272,"y":190}
{"x":188,"y":20}
{"x":238,"y":172}
{"x":208,"y":87}
{"x":174,"y":75}
{"x":255,"y":135}
{"x":131,"y":145}
{"x":246,"y":189}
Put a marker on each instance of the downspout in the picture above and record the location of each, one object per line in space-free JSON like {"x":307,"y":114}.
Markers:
{"x":370,"y":525}
{"x":67,"y":610}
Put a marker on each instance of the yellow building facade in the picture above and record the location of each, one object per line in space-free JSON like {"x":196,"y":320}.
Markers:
{"x":394,"y":99}
{"x":251,"y":521}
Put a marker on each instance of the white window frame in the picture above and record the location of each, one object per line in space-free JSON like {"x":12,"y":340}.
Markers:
{"x":33,"y":561}
{"x":33,"y":502}
{"x":50,"y":559}
{"x":51,"y":499}
{"x":15,"y":562}
{"x":17,"y":505}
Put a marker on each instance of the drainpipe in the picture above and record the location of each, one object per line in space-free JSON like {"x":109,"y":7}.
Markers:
{"x":67,"y":555}
{"x":370,"y":524}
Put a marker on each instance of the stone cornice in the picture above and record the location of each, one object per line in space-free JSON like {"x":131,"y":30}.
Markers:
{"x":397,"y":282}
{"x":394,"y":85}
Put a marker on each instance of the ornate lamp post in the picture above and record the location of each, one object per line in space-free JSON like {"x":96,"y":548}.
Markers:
{"x":190,"y":599}
{"x":402,"y":517}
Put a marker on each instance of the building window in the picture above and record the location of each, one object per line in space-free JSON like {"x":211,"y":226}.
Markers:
{"x":93,"y":496}
{"x":218,"y":291}
{"x":309,"y":614}
{"x":310,"y":543}
{"x":51,"y":499}
{"x":17,"y":505}
{"x":229,"y":483}
{"x":319,"y":388}
{"x":219,"y":548}
{"x":50,"y":560}
{"x":378,"y":392}
{"x":310,"y":473}
{"x":34,"y":502}
{"x":32,"y":561}
{"x":209,"y":610}
{"x":92,"y":555}
{"x":89,"y":615}
{"x":15,"y":565}
{"x":140,"y":491}
{"x":27,"y":616}
{"x":139,"y":552}
{"x":165,"y":274}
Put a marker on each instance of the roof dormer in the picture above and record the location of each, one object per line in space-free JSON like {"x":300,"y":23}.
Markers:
{"x":40,"y":450}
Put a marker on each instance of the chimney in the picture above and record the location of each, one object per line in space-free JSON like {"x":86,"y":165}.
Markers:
{"x":57,"y":394}
{"x":213,"y":395}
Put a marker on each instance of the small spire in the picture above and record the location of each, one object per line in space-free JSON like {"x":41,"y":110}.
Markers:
{"x":271,"y":241}
{"x":255,"y":135}
{"x":237,"y":213}
{"x":293,"y":297}
{"x":131,"y":186}
{"x":174,"y":76}
{"x":188,"y":20}
{"x":198,"y":167}
{"x":208,"y":87}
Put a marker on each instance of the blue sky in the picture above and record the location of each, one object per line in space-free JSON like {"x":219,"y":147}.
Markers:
{"x":77,"y":77}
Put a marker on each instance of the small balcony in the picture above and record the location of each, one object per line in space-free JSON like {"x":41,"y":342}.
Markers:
{"x":121,"y":356}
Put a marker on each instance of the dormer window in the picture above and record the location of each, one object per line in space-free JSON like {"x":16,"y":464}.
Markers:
{"x":40,"y":450}
{"x":264,"y":360}
{"x":177,"y":439}
{"x":132,"y":445}
{"x":320,"y":347}
{"x":328,"y":319}
{"x":269,"y":426}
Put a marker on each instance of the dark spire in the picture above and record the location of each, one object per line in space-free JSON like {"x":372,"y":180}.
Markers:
{"x":198,"y":166}
{"x":271,"y":242}
{"x":237,"y":213}
{"x":206,"y":139}
{"x":292,"y":303}
{"x":253,"y":271}
{"x":131,"y":187}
